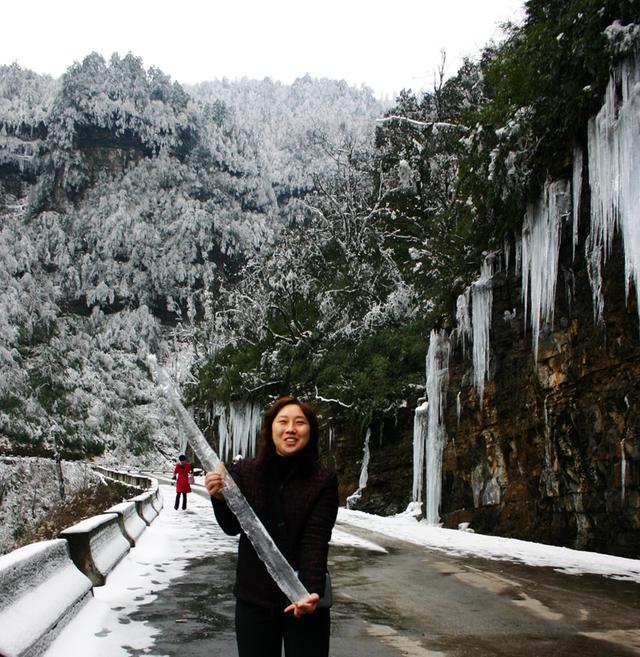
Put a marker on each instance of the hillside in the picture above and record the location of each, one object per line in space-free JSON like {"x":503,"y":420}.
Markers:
{"x":263,"y":238}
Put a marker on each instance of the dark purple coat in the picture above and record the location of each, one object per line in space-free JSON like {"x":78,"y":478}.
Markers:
{"x":309,"y":504}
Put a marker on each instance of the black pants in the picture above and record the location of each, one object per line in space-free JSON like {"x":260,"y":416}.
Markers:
{"x":260,"y":632}
{"x":184,"y":500}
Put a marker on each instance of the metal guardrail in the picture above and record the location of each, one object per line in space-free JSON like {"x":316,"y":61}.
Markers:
{"x":66,"y":569}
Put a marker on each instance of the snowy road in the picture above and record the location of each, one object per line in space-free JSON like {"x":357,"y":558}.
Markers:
{"x":172,"y":595}
{"x":427,"y":603}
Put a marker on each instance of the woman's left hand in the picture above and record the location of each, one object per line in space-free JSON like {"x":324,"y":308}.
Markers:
{"x":305,"y":606}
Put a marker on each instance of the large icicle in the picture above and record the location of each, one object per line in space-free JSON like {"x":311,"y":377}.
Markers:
{"x":278,"y":567}
{"x":420,"y":424}
{"x":576,"y":194}
{"x":353,"y":499}
{"x":540,"y":254}
{"x":481,"y":306}
{"x":614,"y":178}
{"x":463,"y":319}
{"x":623,"y":471}
{"x":437,"y":384}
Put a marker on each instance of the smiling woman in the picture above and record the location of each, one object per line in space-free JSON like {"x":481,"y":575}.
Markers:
{"x":290,"y":430}
{"x":297,"y":501}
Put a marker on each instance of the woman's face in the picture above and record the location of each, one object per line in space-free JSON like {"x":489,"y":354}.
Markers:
{"x":290,"y":430}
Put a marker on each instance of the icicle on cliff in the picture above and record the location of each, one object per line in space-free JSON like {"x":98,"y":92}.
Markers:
{"x":353,"y":499}
{"x":614,"y":178}
{"x":544,"y":397}
{"x":238,"y":428}
{"x":614,"y":175}
{"x":429,"y":432}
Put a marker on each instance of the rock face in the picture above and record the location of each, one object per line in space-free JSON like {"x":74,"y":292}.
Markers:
{"x":553,"y":456}
{"x":554,"y":453}
{"x":388,"y":489}
{"x":546,"y":446}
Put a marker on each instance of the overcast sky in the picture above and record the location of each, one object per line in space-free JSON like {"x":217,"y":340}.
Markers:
{"x":387,"y":46}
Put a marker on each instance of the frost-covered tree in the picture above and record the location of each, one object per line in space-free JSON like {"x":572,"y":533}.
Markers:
{"x":325,"y":290}
{"x":146,"y":206}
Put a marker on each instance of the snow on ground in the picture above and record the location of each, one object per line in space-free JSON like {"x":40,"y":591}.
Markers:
{"x":104,"y":627}
{"x":405,"y":527}
{"x":341,"y":537}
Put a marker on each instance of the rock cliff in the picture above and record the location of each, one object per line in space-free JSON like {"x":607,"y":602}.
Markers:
{"x":537,"y":419}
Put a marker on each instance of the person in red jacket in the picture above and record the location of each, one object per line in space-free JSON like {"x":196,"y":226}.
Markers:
{"x":297,"y":501}
{"x":181,"y":476}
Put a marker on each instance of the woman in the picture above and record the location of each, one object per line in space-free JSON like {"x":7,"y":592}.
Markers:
{"x":181,"y":477}
{"x":297,"y":501}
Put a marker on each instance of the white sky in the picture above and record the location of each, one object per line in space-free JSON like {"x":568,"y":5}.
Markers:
{"x":387,"y":46}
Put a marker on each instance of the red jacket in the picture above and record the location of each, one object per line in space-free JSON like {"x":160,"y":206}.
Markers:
{"x":181,"y":471}
{"x":308,"y":501}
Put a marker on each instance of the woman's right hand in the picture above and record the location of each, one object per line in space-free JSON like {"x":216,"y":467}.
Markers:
{"x":214,"y":483}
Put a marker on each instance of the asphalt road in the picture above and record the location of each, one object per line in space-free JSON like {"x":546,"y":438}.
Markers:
{"x":427,"y":604}
{"x":419,"y":603}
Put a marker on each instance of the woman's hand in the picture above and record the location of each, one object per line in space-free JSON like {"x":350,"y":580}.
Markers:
{"x":214,"y":483}
{"x":305,"y":606}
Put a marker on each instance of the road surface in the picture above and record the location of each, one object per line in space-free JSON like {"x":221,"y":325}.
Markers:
{"x":404,"y":601}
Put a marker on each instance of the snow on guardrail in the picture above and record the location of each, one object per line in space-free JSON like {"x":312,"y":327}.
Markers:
{"x":43,"y":585}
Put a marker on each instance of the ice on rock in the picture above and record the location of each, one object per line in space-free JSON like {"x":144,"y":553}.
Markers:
{"x":238,"y":427}
{"x":463,"y":319}
{"x":623,"y":471}
{"x":437,"y":384}
{"x":420,"y":424}
{"x":481,"y":307}
{"x":614,"y":178}
{"x":278,"y":567}
{"x":352,"y":500}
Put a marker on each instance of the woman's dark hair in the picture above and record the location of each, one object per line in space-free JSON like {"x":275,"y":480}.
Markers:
{"x":267,"y":446}
{"x":182,"y":457}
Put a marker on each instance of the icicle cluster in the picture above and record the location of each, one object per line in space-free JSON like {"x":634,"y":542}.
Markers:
{"x":540,"y":254}
{"x":614,"y":178}
{"x":238,"y":428}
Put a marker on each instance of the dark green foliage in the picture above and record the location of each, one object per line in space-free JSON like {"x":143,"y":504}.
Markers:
{"x":230,"y":374}
{"x":366,"y":375}
{"x":376,"y":373}
{"x":545,"y":81}
{"x":11,"y":403}
{"x":139,"y":441}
